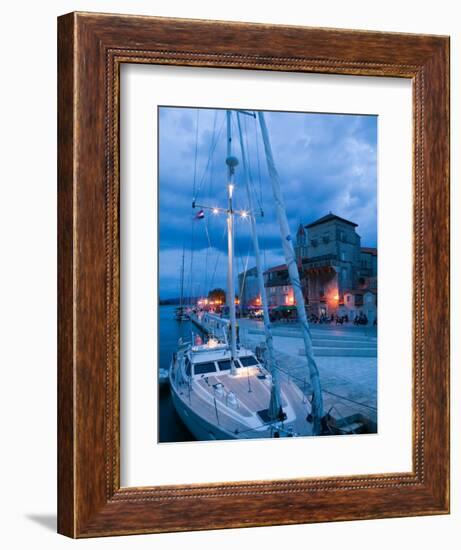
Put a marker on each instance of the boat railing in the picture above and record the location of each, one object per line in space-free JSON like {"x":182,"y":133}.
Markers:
{"x":276,"y":430}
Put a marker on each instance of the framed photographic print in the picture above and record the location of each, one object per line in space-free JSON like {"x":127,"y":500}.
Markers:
{"x":233,"y":198}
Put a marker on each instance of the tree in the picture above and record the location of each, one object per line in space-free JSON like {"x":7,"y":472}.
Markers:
{"x":217,"y":295}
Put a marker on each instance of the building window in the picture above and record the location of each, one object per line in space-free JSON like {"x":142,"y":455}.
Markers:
{"x":342,"y":236}
{"x":326,"y":238}
{"x":343,"y":256}
{"x":348,"y":298}
{"x":359,"y":299}
{"x":314,"y":242}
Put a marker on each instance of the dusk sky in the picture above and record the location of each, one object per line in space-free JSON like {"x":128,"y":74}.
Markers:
{"x":326,"y":162}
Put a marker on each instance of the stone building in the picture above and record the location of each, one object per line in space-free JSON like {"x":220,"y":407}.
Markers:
{"x":338,"y":275}
{"x":279,"y":291}
{"x":277,"y":285}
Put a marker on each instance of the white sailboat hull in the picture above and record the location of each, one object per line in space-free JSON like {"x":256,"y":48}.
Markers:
{"x":239,"y":409}
{"x":198,"y":426}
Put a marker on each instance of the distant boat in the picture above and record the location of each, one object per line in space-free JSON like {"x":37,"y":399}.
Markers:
{"x":181,"y":313}
{"x":220,"y":389}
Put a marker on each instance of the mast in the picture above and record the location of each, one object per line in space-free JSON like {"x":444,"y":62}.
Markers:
{"x":182,"y":281}
{"x":231,"y":164}
{"x":275,"y":405}
{"x":317,"y":400}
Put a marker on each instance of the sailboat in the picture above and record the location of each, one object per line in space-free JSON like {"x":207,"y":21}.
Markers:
{"x":222,"y":390}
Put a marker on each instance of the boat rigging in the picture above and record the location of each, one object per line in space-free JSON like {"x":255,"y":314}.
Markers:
{"x":220,"y":389}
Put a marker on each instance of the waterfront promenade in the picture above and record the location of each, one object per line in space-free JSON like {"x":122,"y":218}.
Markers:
{"x":346,"y":357}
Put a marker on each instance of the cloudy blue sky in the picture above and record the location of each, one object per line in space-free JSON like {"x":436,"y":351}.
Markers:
{"x":326,"y":162}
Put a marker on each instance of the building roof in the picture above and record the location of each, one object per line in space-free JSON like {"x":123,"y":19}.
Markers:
{"x":250,"y":272}
{"x":328,"y":218}
{"x":368,"y":250}
{"x":282,"y":267}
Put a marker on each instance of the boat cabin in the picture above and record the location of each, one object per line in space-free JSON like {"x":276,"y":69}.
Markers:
{"x":204,"y":366}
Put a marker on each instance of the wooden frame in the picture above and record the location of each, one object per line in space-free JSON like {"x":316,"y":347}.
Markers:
{"x":91,"y":49}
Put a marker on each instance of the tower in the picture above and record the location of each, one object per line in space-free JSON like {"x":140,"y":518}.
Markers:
{"x":301,"y":243}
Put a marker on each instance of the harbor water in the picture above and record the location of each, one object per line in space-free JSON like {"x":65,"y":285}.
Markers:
{"x":171,"y":429}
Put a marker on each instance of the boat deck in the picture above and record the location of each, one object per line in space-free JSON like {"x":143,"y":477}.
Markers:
{"x":244,"y":420}
{"x":253,"y":393}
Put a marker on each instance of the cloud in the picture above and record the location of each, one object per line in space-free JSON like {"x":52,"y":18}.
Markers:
{"x":326,"y":162}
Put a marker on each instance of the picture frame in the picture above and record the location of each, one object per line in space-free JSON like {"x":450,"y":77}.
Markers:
{"x":91,"y":49}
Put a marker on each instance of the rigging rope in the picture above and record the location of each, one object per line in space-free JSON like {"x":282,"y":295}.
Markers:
{"x":196,"y":152}
{"x":260,"y":199}
{"x":217,"y":257}
{"x":210,"y":155}
{"x":259,"y":164}
{"x":192,"y":221}
{"x":208,"y":218}
{"x":244,"y":271}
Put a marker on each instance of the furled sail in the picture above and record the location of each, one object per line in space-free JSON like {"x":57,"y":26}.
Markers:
{"x":275,"y":407}
{"x":290,"y":258}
